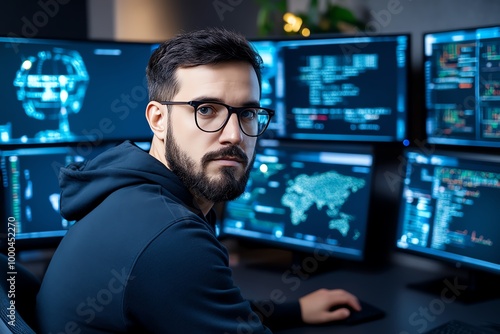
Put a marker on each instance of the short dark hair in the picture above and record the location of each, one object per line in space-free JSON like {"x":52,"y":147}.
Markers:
{"x":202,"y":47}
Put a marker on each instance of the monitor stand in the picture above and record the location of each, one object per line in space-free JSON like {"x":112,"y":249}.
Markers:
{"x":475,"y":287}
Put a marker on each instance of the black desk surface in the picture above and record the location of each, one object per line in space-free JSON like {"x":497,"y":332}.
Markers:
{"x":261,"y":273}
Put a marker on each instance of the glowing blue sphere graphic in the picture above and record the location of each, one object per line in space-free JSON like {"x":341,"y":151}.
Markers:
{"x":51,"y":85}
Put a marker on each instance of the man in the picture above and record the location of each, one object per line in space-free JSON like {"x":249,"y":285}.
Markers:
{"x":143,"y":256}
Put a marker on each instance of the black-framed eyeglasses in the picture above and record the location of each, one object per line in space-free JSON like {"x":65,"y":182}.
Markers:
{"x":213,"y":116}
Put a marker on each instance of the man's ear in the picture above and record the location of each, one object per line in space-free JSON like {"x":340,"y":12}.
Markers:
{"x":157,"y":118}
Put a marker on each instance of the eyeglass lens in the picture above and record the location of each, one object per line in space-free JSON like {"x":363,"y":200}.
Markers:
{"x":212,"y":117}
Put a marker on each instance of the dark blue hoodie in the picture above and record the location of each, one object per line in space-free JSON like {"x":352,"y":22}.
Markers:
{"x":141,"y":257}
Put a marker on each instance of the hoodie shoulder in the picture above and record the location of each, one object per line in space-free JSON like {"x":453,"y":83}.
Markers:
{"x":85,"y":185}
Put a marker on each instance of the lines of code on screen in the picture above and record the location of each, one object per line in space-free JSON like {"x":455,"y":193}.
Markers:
{"x":462,"y":71}
{"x":449,"y":209}
{"x":330,"y":92}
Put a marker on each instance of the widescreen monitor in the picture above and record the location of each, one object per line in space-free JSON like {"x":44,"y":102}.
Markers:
{"x":56,"y":91}
{"x":337,"y":87}
{"x":30,"y":191}
{"x":462,"y":87}
{"x":449,"y":209}
{"x":305,"y":198}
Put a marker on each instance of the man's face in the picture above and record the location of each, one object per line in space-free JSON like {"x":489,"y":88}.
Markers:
{"x":215,"y":166}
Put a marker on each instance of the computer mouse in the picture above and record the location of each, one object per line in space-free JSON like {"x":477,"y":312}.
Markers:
{"x":368,"y":312}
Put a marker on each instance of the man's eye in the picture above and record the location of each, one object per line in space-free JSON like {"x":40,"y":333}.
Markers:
{"x":206,"y":110}
{"x":248,"y":114}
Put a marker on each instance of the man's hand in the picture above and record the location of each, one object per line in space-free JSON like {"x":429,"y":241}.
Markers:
{"x":316,"y":307}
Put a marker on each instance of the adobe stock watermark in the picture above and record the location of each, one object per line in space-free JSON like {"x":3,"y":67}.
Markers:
{"x":223,"y":6}
{"x":383,"y":17}
{"x":425,"y":147}
{"x":121,"y":108}
{"x":380,"y":20}
{"x":426,"y":315}
{"x":292,"y":278}
{"x":394,"y":180}
{"x":31,"y":26}
{"x":88,"y":309}
{"x":11,"y":271}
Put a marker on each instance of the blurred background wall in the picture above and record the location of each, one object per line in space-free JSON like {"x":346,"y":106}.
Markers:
{"x":156,"y":20}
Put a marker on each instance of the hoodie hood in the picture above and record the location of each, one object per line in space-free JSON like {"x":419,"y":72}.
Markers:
{"x":85,"y":185}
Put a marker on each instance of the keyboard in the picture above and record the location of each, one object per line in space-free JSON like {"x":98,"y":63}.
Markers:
{"x":368,"y":312}
{"x":459,"y":327}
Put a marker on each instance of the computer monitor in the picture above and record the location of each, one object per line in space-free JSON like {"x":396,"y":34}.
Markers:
{"x":56,"y":91}
{"x":30,"y":192}
{"x":305,"y":198}
{"x":462,"y":87}
{"x":449,"y":213}
{"x":271,"y":82}
{"x":337,"y":87}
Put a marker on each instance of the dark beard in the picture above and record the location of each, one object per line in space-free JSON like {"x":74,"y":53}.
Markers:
{"x":226,"y":187}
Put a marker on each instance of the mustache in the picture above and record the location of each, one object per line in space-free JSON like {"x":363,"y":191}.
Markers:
{"x":226,"y":152}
